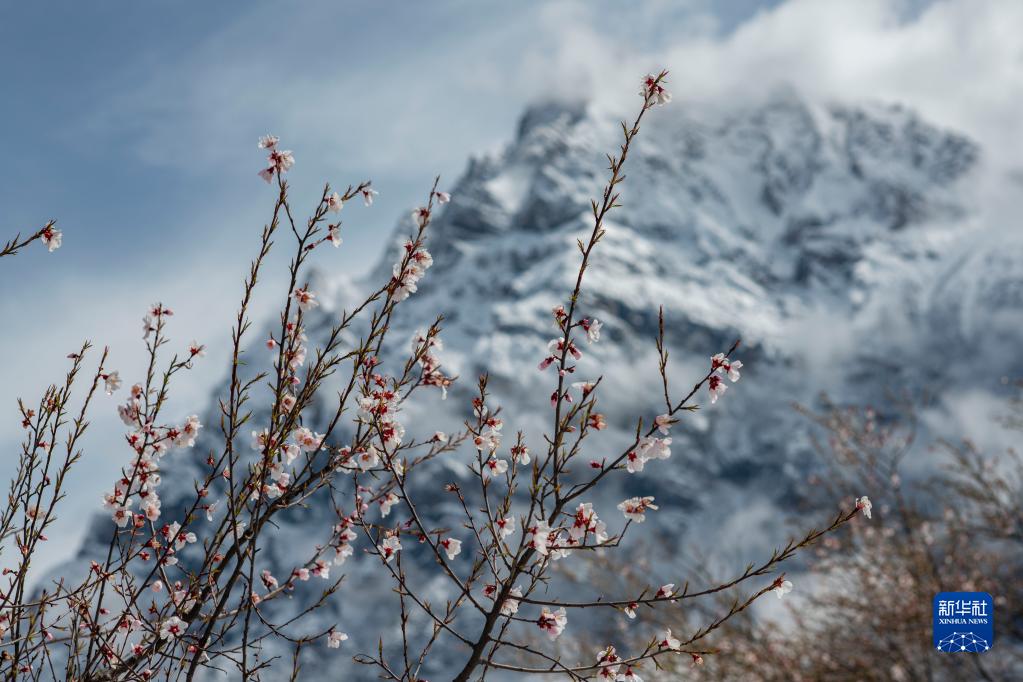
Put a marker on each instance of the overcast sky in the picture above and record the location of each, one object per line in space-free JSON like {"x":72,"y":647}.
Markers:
{"x":135,"y":123}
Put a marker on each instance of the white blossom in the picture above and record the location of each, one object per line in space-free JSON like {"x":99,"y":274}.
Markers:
{"x":306,"y":299}
{"x":668,"y":641}
{"x":553,"y":623}
{"x":452,"y":547}
{"x":635,"y":508}
{"x":386,"y":502}
{"x":653,"y":92}
{"x":538,"y":537}
{"x":495,"y":467}
{"x":717,"y":388}
{"x":864,"y":505}
{"x":173,"y":628}
{"x":51,"y":238}
{"x":510,"y":606}
{"x":334,"y":203}
{"x":367,"y":195}
{"x":389,"y":547}
{"x":335,"y":638}
{"x":782,"y":587}
{"x":111,"y":382}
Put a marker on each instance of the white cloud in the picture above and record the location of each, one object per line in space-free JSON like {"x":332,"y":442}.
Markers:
{"x":959,"y":62}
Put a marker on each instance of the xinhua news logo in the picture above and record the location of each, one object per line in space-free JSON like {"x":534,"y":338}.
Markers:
{"x":964,"y":622}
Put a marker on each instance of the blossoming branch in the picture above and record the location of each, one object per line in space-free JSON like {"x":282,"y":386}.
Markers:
{"x":181,"y":588}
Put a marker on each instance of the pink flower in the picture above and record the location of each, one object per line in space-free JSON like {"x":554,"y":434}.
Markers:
{"x":609,"y":662}
{"x":538,"y":537}
{"x":321,"y":569}
{"x":505,"y":526}
{"x":559,"y":315}
{"x":442,"y":197}
{"x":334,"y":235}
{"x":520,"y":453}
{"x":189,"y":430}
{"x":592,"y":327}
{"x":781,"y":587}
{"x":279,"y":161}
{"x":261,"y":440}
{"x":634,"y":462}
{"x":557,"y":346}
{"x":111,"y":382}
{"x":122,"y":515}
{"x":864,"y":505}
{"x":509,"y":607}
{"x":268,"y":142}
{"x":342,"y":552}
{"x":150,"y":506}
{"x":173,"y":628}
{"x":406,"y":275}
{"x":635,"y":508}
{"x":647,"y":449}
{"x":586,"y":523}
{"x":495,"y":467}
{"x":552,"y":623}
{"x":717,"y":388}
{"x":386,"y":502}
{"x":663,"y":423}
{"x":367,"y":195}
{"x":367,"y":459}
{"x":720,"y":363}
{"x":421,"y":216}
{"x":389,"y":547}
{"x":51,"y":238}
{"x":158,"y":310}
{"x":654,"y":92}
{"x":308,"y":440}
{"x":667,"y":641}
{"x":452,"y":547}
{"x":334,"y":639}
{"x":334,"y":203}
{"x":305,"y":299}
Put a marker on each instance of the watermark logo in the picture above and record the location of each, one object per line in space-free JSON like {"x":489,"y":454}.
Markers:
{"x":964,"y":622}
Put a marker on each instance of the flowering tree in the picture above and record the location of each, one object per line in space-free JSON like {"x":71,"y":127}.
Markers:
{"x":173,"y":597}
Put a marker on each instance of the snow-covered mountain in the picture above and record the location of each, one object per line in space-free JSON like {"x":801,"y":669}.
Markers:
{"x":843,"y":244}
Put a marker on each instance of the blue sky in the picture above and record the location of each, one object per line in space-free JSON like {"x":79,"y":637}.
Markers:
{"x":135,"y":125}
